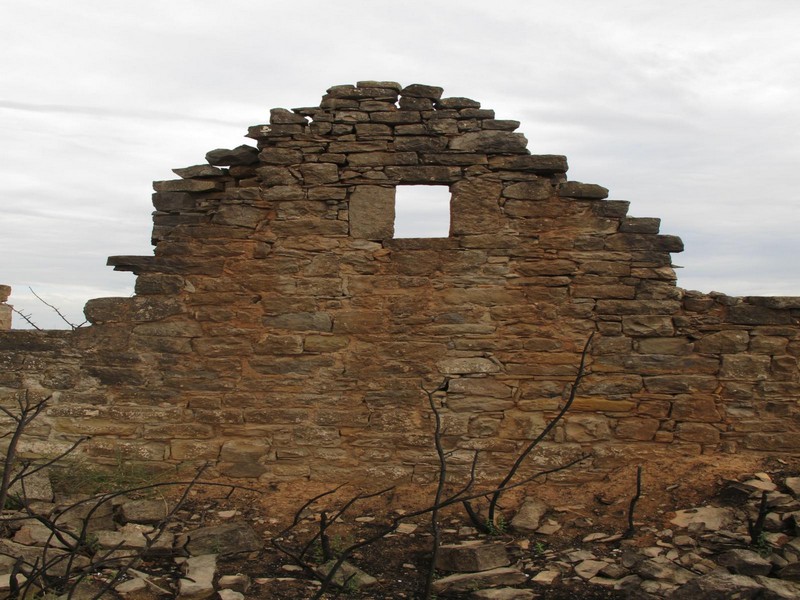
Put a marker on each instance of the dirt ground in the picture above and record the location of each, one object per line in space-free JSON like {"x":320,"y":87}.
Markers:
{"x":400,"y":561}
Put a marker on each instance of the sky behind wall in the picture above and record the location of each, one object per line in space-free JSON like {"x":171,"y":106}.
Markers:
{"x":690,"y":110}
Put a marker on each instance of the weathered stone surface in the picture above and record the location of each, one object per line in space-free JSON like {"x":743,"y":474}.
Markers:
{"x":199,"y":581}
{"x":529,"y":516}
{"x":575,"y":189}
{"x":464,"y":582}
{"x":719,"y":586}
{"x":348,"y":575}
{"x":472,"y":556}
{"x":230,"y":538}
{"x":745,"y":562}
{"x":241,"y":155}
{"x":503,"y":594}
{"x":708,"y":517}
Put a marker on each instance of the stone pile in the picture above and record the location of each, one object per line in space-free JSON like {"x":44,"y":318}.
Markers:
{"x":122,"y":532}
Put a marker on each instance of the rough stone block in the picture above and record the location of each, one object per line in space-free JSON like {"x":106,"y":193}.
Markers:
{"x":500,"y":142}
{"x":371,"y":211}
{"x":472,"y":556}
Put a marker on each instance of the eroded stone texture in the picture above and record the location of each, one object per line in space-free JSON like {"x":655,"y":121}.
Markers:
{"x":279,"y":331}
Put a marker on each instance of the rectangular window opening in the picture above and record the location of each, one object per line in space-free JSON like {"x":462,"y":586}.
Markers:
{"x":422,"y":211}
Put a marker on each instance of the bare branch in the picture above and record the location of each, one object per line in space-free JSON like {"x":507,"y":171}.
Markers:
{"x":27,"y":318}
{"x":58,"y":312}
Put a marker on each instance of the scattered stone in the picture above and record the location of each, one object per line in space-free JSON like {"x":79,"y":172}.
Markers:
{"x":199,"y":580}
{"x":712,"y":518}
{"x":472,"y":556}
{"x":548,"y":577}
{"x":793,"y":485}
{"x":589,"y":568}
{"x":143,"y":511}
{"x":347,"y":575}
{"x":719,"y":586}
{"x":230,"y":538}
{"x":529,"y":516}
{"x":238,"y":582}
{"x":745,"y":562}
{"x":241,"y":155}
{"x":464,"y":582}
{"x":503,"y":594}
{"x":230,"y":595}
{"x":549,"y":527}
{"x":777,"y":589}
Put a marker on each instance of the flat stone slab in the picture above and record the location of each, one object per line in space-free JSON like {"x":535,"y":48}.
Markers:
{"x":465,"y":582}
{"x":472,"y":556}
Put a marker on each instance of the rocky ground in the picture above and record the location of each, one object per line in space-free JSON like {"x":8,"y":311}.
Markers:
{"x":691,"y":540}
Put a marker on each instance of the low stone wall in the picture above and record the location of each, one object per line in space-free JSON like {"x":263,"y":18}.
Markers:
{"x":281,"y":331}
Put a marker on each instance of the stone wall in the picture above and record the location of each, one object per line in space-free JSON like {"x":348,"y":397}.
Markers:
{"x":6,"y":311}
{"x":280,"y":331}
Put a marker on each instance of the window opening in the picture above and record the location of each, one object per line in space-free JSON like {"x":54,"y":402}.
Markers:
{"x":422,"y":211}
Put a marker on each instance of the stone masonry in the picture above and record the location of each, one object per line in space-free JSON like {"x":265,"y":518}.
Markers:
{"x":280,"y":331}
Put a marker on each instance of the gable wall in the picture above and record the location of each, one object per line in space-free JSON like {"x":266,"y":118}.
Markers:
{"x":280,"y":331}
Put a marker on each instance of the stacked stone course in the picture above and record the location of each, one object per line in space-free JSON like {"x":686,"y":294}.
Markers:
{"x":281,"y":331}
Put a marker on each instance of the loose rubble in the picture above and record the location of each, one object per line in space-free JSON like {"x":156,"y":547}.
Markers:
{"x":706,"y":552}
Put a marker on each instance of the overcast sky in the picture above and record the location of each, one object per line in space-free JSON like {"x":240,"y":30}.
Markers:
{"x":688,"y":109}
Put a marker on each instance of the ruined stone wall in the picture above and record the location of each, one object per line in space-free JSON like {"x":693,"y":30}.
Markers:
{"x":280,"y":331}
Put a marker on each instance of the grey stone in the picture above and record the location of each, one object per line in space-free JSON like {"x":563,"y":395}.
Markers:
{"x":744,"y":562}
{"x":793,"y":485}
{"x":529,"y":516}
{"x":143,"y":511}
{"x":790,"y":572}
{"x":239,"y":582}
{"x":712,"y":518}
{"x":418,"y":90}
{"x":777,"y":589}
{"x":464,"y":582}
{"x":241,"y":155}
{"x":472,"y":556}
{"x":199,"y":581}
{"x":198,"y":171}
{"x":347,"y":575}
{"x":490,"y":141}
{"x":503,"y":594}
{"x":587,"y":569}
{"x":588,"y":191}
{"x":719,"y":586}
{"x":230,"y":538}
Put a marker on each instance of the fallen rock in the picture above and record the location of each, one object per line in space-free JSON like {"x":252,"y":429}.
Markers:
{"x":793,"y":485}
{"x":529,"y":516}
{"x":719,"y":586}
{"x":239,"y":582}
{"x":230,"y":538}
{"x":503,"y":594}
{"x":744,"y":562}
{"x":464,"y":582}
{"x":143,"y":511}
{"x":790,"y":572}
{"x":199,"y":581}
{"x":712,"y":518}
{"x":777,"y":589}
{"x":589,"y":568}
{"x":472,"y":556}
{"x":347,"y":575}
